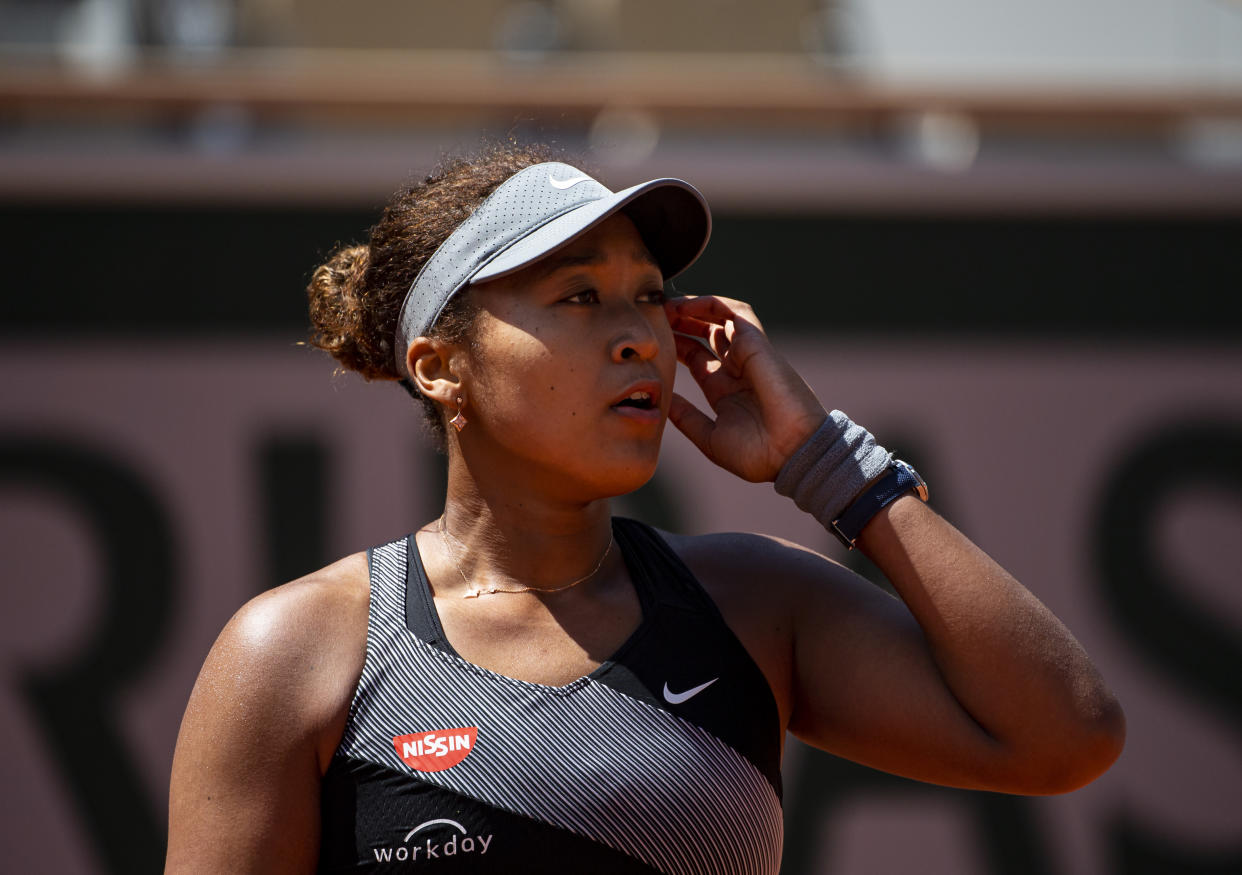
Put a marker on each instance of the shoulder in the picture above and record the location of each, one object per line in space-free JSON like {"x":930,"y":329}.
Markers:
{"x":769,"y":578}
{"x":303,"y":610}
{"x":778,"y":580}
{"x":760,"y":584}
{"x":293,"y":654}
{"x":740,"y":560}
{"x":263,"y":722}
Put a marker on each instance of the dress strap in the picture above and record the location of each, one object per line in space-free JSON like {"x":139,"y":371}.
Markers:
{"x":658,"y":572}
{"x":420,"y":607}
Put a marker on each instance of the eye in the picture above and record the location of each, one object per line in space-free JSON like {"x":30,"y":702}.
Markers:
{"x":655,"y":296}
{"x":586,"y":296}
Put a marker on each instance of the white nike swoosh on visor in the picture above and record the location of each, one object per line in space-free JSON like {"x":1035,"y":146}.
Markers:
{"x":677,"y":698}
{"x":567,"y":183}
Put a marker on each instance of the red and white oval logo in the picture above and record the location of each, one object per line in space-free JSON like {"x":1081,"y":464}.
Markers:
{"x":437,"y":750}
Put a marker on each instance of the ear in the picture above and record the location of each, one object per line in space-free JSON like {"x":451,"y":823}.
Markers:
{"x":433,"y":367}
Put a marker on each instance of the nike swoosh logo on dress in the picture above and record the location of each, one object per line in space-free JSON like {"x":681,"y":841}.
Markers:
{"x":677,"y":698}
{"x":566,"y":183}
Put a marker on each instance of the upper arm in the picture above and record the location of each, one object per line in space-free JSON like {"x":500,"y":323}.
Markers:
{"x":866,"y":687}
{"x":859,"y":678}
{"x":265,"y":713}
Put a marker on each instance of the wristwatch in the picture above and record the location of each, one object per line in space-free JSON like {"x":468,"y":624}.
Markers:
{"x":894,"y":483}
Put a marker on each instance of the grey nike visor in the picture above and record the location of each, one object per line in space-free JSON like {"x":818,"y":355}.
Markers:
{"x":534,"y":213}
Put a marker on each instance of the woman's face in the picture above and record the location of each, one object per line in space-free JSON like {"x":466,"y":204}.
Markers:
{"x":571,"y":369}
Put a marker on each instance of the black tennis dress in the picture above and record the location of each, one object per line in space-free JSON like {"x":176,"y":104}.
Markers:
{"x":666,"y":758}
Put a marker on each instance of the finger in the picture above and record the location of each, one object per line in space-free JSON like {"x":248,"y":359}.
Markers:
{"x":720,"y":341}
{"x":707,"y":371}
{"x":723,"y":322}
{"x":714,"y":308}
{"x":709,"y":309}
{"x":690,"y":325}
{"x":684,"y":322}
{"x":698,"y":359}
{"x":693,"y":423}
{"x":718,"y":337}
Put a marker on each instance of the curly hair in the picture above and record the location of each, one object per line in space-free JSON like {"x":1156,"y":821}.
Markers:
{"x":356,"y":295}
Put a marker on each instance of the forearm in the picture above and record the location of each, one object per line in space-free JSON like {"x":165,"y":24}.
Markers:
{"x":1000,"y":686}
{"x":1007,"y":660}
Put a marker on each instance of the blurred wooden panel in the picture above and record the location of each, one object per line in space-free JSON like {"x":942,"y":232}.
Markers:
{"x":623,"y":25}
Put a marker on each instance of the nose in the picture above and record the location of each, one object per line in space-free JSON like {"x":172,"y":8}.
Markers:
{"x":637,"y":338}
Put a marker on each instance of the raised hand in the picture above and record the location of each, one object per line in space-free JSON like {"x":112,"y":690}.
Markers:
{"x":764,"y":409}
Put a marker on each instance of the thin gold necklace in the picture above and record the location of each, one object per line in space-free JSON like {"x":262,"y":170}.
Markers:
{"x":473,"y":591}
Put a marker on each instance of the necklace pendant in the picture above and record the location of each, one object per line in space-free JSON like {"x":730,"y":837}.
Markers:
{"x":472,"y":594}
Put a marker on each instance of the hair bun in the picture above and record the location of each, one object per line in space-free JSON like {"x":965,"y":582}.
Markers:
{"x":338,"y":311}
{"x":348,"y":264}
{"x":356,"y":295}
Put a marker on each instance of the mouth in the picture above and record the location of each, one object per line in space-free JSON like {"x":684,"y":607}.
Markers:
{"x":642,"y":400}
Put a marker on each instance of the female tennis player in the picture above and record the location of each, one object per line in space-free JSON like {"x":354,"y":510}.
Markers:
{"x":529,"y":684}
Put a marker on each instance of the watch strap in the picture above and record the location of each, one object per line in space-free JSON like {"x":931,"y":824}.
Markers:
{"x":896,"y":482}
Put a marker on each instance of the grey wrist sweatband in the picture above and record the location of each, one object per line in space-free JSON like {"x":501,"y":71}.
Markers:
{"x":826,"y":472}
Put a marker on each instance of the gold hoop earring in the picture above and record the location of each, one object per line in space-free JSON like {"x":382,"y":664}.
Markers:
{"x":459,"y":421}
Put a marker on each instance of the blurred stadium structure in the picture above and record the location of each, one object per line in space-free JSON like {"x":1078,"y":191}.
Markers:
{"x":1025,"y":218}
{"x":792,"y":103}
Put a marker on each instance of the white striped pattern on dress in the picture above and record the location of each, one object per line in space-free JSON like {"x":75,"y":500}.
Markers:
{"x":583,"y":757}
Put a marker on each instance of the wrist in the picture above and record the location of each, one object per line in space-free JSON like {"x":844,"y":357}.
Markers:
{"x":900,"y":479}
{"x":832,"y":467}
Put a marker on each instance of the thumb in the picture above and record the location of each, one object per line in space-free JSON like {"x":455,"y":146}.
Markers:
{"x":693,"y":423}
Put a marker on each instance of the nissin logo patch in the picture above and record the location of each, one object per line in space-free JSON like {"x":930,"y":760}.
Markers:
{"x":437,"y":750}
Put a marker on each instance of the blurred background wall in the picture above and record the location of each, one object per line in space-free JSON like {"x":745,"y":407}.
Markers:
{"x":1004,"y":236}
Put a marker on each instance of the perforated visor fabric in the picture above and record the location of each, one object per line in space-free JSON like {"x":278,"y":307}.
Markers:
{"x":668,"y":213}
